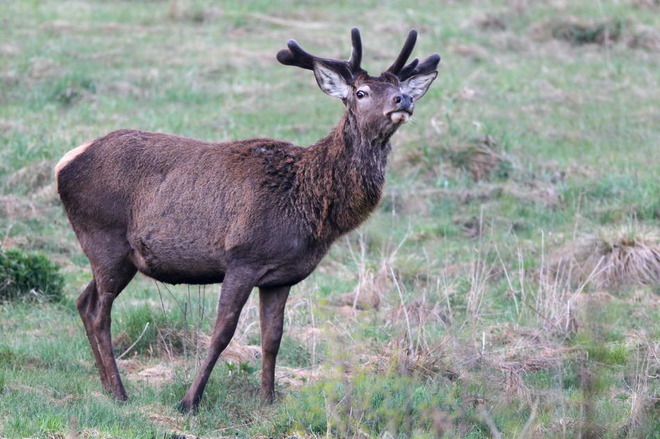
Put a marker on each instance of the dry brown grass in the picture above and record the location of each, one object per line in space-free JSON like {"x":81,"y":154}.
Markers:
{"x":647,"y":4}
{"x":235,"y":352}
{"x":472,"y":51}
{"x":481,"y":159}
{"x":646,"y":38}
{"x":14,"y":208}
{"x":298,"y":377}
{"x":490,"y":22}
{"x":578,"y":31}
{"x":602,"y":33}
{"x":35,"y":181}
{"x":546,"y":194}
{"x":522,"y":355}
{"x":421,"y":361}
{"x":625,"y":257}
{"x":368,"y":292}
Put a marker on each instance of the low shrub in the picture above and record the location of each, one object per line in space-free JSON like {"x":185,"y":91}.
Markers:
{"x":28,"y":276}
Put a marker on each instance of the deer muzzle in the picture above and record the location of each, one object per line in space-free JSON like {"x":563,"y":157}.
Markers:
{"x":401,"y":116}
{"x":403,"y":108}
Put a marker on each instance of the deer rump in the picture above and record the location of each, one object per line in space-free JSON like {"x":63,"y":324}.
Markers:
{"x":184,"y":211}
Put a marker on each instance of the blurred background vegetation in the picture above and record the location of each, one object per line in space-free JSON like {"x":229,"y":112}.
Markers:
{"x":507,"y":286}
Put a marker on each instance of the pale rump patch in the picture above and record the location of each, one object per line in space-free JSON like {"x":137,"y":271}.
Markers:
{"x":400,"y":117}
{"x":69,"y":156}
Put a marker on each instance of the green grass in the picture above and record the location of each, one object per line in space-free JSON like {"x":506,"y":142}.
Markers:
{"x":471,"y":336}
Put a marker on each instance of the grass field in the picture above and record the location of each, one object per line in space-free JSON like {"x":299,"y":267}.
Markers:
{"x":507,"y":287}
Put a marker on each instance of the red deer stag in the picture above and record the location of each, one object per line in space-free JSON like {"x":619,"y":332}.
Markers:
{"x":251,"y":213}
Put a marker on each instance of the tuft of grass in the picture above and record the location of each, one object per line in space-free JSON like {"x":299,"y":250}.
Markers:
{"x":482,"y":160}
{"x":7,"y":355}
{"x":150,"y":331}
{"x":614,"y":258}
{"x":577,"y":31}
{"x":70,"y":89}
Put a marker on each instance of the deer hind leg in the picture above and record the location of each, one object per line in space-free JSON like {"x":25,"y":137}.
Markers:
{"x":236,"y":289}
{"x":87,"y":305}
{"x":271,"y":314}
{"x":112,"y":272}
{"x":109,"y":288}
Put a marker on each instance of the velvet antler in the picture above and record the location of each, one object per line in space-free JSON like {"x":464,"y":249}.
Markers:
{"x":403,"y":71}
{"x":298,"y":57}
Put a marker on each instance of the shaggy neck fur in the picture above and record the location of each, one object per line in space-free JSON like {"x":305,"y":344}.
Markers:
{"x":341,"y":179}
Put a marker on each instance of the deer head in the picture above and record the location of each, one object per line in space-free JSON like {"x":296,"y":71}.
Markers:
{"x":379,"y":104}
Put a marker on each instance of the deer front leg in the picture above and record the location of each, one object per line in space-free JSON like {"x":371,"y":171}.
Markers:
{"x":234,"y":294}
{"x":271,"y":313}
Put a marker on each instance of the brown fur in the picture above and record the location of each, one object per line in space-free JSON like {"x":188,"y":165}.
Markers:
{"x":256,"y":212}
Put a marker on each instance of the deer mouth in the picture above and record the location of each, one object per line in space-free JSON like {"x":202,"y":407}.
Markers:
{"x":399,"y":116}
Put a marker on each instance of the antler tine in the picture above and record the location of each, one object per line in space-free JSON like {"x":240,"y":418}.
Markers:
{"x":298,"y":57}
{"x":409,"y":69}
{"x":356,"y":52}
{"x":407,"y":49}
{"x":429,"y":65}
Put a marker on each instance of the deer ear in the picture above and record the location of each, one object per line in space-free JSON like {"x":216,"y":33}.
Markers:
{"x":417,"y":85}
{"x":331,"y":82}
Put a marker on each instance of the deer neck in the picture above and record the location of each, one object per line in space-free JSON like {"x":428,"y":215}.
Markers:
{"x":343,"y":179}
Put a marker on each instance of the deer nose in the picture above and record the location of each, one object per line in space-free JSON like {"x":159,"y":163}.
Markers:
{"x":403,"y":102}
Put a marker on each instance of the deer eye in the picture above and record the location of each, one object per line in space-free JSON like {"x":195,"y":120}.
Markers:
{"x":360,"y":94}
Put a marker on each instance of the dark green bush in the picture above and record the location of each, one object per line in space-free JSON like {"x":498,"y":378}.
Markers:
{"x":28,"y":276}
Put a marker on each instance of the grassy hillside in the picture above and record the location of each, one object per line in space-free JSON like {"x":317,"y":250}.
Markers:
{"x":508,"y":285}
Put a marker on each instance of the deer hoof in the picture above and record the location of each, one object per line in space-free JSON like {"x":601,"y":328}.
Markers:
{"x":266,"y":397}
{"x":186,"y":407}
